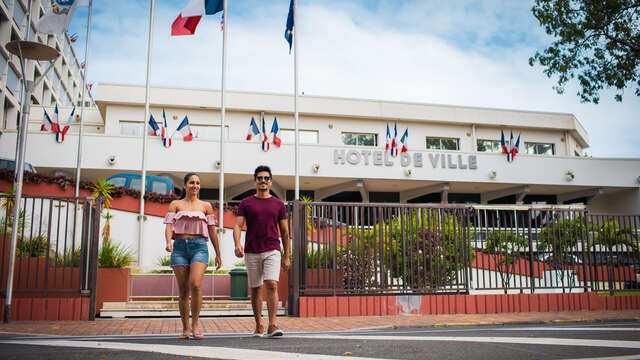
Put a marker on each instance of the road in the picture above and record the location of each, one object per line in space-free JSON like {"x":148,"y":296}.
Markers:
{"x":613,"y":340}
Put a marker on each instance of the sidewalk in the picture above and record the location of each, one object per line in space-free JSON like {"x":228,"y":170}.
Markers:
{"x":291,"y":324}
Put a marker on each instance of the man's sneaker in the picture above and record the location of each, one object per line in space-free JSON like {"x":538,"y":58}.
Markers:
{"x":275,"y":333}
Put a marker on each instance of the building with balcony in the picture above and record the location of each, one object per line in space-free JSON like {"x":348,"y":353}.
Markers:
{"x":63,"y":84}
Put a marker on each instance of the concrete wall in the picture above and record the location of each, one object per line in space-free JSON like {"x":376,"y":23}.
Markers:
{"x":624,"y":201}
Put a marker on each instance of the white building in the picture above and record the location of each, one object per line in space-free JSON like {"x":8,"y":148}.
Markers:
{"x":453,"y":154}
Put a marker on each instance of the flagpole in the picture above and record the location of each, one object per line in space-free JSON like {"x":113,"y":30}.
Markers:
{"x":222,"y":117}
{"x":144,"y":136}
{"x":295,"y":98}
{"x":84,"y":89}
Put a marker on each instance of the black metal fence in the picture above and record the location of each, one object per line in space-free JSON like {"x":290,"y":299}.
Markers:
{"x":56,"y":246}
{"x":373,"y":249}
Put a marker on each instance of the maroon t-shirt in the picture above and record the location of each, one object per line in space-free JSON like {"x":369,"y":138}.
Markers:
{"x":262,"y":216}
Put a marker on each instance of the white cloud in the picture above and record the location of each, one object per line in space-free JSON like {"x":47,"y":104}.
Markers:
{"x":467,"y":53}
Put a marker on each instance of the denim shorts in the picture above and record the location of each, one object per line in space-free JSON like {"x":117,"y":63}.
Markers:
{"x":187,"y":251}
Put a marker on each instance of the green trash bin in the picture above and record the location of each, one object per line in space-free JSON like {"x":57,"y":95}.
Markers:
{"x":239,"y":286}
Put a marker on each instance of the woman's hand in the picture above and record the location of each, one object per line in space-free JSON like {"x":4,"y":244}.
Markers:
{"x":169,"y":247}
{"x":218,"y":262}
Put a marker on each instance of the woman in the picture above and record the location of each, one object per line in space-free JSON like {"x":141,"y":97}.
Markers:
{"x":189,"y":222}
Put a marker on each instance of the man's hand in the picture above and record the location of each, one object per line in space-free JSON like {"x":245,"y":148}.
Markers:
{"x":239,"y":251}
{"x":218,"y":262}
{"x":169,"y":247}
{"x":286,"y":263}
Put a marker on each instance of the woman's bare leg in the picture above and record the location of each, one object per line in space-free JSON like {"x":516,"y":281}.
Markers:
{"x":182,"y":276}
{"x":195,"y":285}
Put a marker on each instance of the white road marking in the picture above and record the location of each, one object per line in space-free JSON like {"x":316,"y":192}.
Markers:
{"x":211,"y":352}
{"x":622,"y":357}
{"x":487,"y":339}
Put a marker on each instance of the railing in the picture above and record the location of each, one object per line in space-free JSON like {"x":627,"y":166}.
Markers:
{"x":378,"y":249}
{"x":56,"y":246}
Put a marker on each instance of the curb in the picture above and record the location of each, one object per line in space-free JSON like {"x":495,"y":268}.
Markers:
{"x":507,"y":323}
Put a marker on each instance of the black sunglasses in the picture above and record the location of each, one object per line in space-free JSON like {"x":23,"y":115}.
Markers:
{"x":265,"y":178}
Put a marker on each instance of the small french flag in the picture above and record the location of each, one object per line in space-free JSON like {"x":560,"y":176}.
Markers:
{"x":274,"y":132}
{"x":514,"y":149}
{"x":253,"y":129}
{"x":503,"y":144}
{"x":394,"y":141}
{"x":388,"y":139}
{"x":166,"y":140}
{"x":55,"y":124}
{"x":67,"y":125}
{"x":46,"y":122}
{"x":153,"y":128}
{"x":265,"y":138}
{"x":185,"y":129}
{"x":405,"y":141}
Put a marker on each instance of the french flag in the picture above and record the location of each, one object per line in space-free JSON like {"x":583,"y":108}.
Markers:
{"x":265,"y":138}
{"x":152,"y":127}
{"x":166,"y":140}
{"x":253,"y":129}
{"x":388,"y":139}
{"x":514,"y":149}
{"x":185,"y":129}
{"x":503,"y":144}
{"x":274,"y":132}
{"x":55,"y":124}
{"x":46,"y":122}
{"x":405,"y":141}
{"x":188,"y":19}
{"x":394,"y":141}
{"x":66,"y":126}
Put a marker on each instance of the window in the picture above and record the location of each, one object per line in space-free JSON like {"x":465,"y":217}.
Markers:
{"x":159,"y":187}
{"x":540,"y":149}
{"x":443,"y":144}
{"x":12,"y":81}
{"x":306,"y":136}
{"x":209,"y":132}
{"x":19,"y":13}
{"x":118,"y":181}
{"x":131,"y":128}
{"x":135,"y":184}
{"x":489,"y":146}
{"x":359,"y":139}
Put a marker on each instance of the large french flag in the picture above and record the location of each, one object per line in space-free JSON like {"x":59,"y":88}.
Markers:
{"x":274,"y":132}
{"x":253,"y":129}
{"x":153,"y":128}
{"x":405,"y":141}
{"x":55,"y":124}
{"x":185,"y":130}
{"x":188,"y":19}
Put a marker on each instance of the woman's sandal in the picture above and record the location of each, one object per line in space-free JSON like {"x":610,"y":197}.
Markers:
{"x":184,"y":336}
{"x":197,"y":335}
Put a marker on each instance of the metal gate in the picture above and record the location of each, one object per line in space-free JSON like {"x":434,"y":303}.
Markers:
{"x":56,"y":247}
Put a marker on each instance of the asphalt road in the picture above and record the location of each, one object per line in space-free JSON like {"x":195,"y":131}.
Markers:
{"x":571,"y":341}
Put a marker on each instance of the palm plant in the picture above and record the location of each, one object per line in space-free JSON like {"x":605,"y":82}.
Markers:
{"x":103,"y":190}
{"x":112,"y":255}
{"x":106,"y":230}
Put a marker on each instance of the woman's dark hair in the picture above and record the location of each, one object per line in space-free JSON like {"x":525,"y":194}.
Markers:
{"x":186,"y":179}
{"x":261,"y":168}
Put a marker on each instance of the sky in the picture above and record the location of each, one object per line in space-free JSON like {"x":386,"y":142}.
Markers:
{"x":463,"y":52}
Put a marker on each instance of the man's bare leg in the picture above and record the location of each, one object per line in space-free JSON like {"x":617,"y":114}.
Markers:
{"x":256,"y":305}
{"x":272,"y":303}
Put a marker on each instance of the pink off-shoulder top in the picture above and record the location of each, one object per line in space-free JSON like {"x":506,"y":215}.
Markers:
{"x":190,"y":222}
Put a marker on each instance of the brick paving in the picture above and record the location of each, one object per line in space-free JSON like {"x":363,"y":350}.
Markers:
{"x":246,"y":325}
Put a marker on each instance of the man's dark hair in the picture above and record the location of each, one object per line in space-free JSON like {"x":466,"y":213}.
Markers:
{"x":261,"y":168}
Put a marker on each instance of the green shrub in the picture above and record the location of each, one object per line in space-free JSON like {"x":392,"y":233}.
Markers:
{"x":33,"y":247}
{"x":164,"y":260}
{"x":112,"y":255}
{"x":69,"y":258}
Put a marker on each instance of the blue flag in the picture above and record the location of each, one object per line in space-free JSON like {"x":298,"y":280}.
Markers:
{"x":288,"y":33}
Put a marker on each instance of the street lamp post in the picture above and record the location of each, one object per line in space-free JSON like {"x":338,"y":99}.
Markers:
{"x":28,"y":50}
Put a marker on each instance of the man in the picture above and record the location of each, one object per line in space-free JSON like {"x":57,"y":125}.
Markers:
{"x":263,"y":215}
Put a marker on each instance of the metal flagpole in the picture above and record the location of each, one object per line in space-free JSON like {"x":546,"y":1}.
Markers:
{"x":222,"y":117}
{"x":84,"y":89}
{"x":144,"y":136}
{"x":295,"y":97}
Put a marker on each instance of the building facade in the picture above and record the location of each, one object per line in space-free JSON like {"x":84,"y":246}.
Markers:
{"x":63,"y":84}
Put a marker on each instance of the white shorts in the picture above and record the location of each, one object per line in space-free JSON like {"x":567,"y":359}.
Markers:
{"x":262,"y":266}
